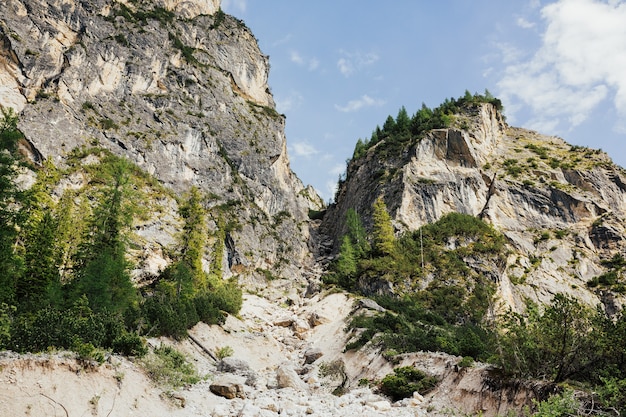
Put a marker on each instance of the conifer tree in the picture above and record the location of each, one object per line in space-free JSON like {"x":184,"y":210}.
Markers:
{"x":40,"y":276}
{"x":193,"y":240}
{"x":101,"y":267}
{"x":356,"y":233}
{"x":383,"y":234}
{"x":346,"y":262}
{"x":403,"y":121}
{"x":10,"y":203}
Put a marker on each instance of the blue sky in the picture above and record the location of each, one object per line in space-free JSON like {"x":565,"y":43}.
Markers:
{"x":339,"y":68}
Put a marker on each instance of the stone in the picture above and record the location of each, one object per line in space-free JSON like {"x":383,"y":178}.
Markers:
{"x":314,"y":319}
{"x":286,"y":377}
{"x":284,"y":321}
{"x":312,"y":354}
{"x":233,"y":366}
{"x":370,"y":304}
{"x":228,"y":386}
{"x":382,"y":405}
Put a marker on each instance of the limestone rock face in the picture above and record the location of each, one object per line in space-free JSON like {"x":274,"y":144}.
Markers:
{"x":178,"y":89}
{"x":561,"y":207}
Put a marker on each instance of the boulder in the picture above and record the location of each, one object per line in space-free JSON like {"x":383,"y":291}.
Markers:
{"x":234,"y":366}
{"x":286,"y":377}
{"x":228,"y":386}
{"x":284,"y":321}
{"x":312,"y":354}
{"x":370,"y":304}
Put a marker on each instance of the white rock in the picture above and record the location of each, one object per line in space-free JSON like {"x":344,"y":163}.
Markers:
{"x":288,"y":378}
{"x":383,"y":405}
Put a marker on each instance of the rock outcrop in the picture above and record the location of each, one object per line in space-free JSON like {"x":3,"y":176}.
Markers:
{"x":179,"y":89}
{"x":560,"y":206}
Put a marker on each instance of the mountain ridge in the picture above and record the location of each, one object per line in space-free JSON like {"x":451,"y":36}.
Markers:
{"x":180,"y":90}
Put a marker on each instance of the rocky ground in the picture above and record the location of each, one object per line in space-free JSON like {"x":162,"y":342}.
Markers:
{"x":277,"y":354}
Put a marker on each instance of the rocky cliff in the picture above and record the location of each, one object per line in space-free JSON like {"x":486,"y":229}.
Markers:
{"x":180,"y":89}
{"x":561,"y":207}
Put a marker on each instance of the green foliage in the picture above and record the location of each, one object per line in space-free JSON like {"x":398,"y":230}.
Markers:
{"x":612,"y":393}
{"x":167,"y":366}
{"x":396,"y":134}
{"x":613,"y":277}
{"x":193,"y":237}
{"x":382,"y":233}
{"x":141,"y":16}
{"x":559,"y":405}
{"x":356,"y":233}
{"x":346,"y":262}
{"x":405,"y":381}
{"x":11,"y":197}
{"x":77,"y":327}
{"x":224,"y":352}
{"x":185,"y":50}
{"x":408,"y":326}
{"x":445,"y":315}
{"x":218,"y":18}
{"x":561,"y":343}
{"x":185,"y":294}
{"x":101,"y":269}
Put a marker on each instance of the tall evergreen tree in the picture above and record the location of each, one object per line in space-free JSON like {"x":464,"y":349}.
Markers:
{"x":40,"y":273}
{"x":356,"y":233}
{"x":383,"y":234}
{"x":10,"y":204}
{"x":403,"y":122}
{"x":193,"y":239}
{"x":346,"y":262}
{"x":101,"y":267}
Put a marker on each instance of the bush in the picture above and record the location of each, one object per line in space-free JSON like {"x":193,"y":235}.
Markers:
{"x":405,"y":381}
{"x":169,"y":367}
{"x":224,"y":352}
{"x":564,"y":404}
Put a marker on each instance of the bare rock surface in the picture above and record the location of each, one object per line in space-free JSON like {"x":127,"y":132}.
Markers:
{"x":53,"y":384}
{"x":560,"y":207}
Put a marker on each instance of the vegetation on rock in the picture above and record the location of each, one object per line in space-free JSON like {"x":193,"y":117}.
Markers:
{"x":399,"y":132}
{"x":66,"y":280}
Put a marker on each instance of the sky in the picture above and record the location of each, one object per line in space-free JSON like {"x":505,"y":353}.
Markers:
{"x":340,"y":68}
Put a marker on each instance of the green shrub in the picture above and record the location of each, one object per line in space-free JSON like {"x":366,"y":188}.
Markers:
{"x":563,"y":404}
{"x":466,"y":362}
{"x":405,"y":381}
{"x":224,"y":352}
{"x":169,"y":367}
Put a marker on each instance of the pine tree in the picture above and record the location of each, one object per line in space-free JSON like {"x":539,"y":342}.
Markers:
{"x":193,"y":239}
{"x":40,"y":273}
{"x":403,"y":121}
{"x":10,"y":203}
{"x":346,"y":262}
{"x":101,"y":267}
{"x":356,"y":233}
{"x":40,"y":269}
{"x":383,"y":234}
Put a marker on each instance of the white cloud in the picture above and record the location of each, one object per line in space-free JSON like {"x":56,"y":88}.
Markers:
{"x":296,"y":58}
{"x":351,"y":62}
{"x":363,"y":101}
{"x":345,"y":67}
{"x":289,"y":102}
{"x":581,"y":61}
{"x":524,"y":24}
{"x":311,"y":63}
{"x":229,"y":5}
{"x":303,"y":149}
